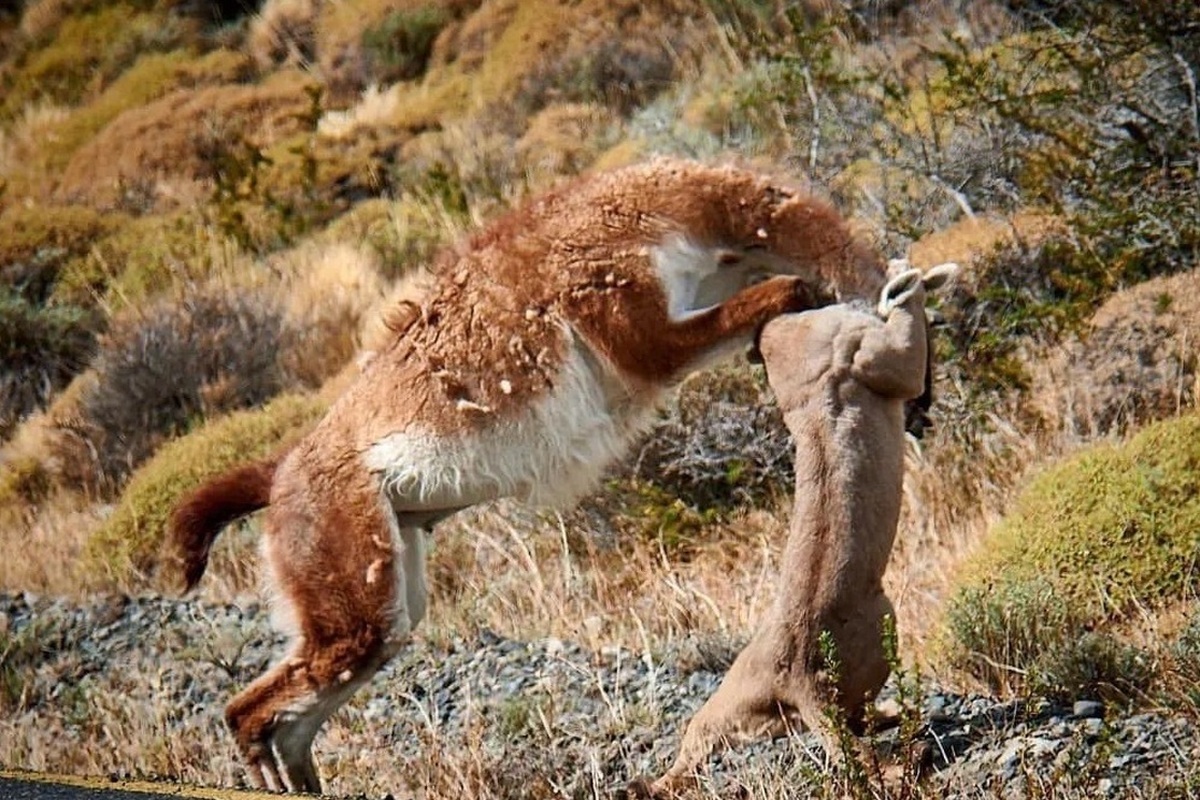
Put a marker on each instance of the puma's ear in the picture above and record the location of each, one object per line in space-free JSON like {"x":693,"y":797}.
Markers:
{"x":898,"y":289}
{"x":939,"y":276}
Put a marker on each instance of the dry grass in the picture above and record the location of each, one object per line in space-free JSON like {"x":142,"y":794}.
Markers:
{"x":561,"y":139}
{"x":21,"y":141}
{"x":41,"y":545}
{"x":376,"y":107}
{"x":181,"y":135}
{"x":41,"y":17}
{"x":517,"y":93}
{"x":283,"y":32}
{"x":330,"y":293}
{"x":530,"y":576}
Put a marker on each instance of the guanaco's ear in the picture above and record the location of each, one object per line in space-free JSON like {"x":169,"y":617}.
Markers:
{"x":939,"y":276}
{"x":899,"y":289}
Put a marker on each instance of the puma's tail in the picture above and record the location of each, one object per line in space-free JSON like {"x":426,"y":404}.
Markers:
{"x":201,"y":515}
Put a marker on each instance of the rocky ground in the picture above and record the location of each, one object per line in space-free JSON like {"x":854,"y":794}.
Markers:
{"x":539,"y":719}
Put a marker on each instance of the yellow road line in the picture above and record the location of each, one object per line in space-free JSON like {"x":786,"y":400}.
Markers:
{"x":140,"y":787}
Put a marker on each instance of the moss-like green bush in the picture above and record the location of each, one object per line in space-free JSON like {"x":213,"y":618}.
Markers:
{"x":148,"y":78}
{"x":87,"y":50}
{"x":128,"y":542}
{"x":137,"y":260}
{"x":1113,"y":529}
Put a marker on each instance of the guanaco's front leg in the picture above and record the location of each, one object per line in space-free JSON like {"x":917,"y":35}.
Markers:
{"x":652,"y":345}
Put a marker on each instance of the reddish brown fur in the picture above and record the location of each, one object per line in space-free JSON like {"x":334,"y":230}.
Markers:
{"x":201,"y":515}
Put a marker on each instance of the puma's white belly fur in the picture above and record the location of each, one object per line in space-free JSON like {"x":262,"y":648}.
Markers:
{"x":551,"y":454}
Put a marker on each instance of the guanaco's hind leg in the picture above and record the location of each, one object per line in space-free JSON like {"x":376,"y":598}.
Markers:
{"x":352,"y":583}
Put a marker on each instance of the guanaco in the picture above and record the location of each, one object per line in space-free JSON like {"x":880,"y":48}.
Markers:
{"x":540,"y":350}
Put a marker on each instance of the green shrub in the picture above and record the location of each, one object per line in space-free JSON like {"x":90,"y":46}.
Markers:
{"x":996,"y":633}
{"x":398,"y":48}
{"x":88,"y":49}
{"x":620,"y":71}
{"x":1092,"y":666}
{"x":128,"y":542}
{"x":36,"y":243}
{"x":1090,"y":116}
{"x":41,"y":349}
{"x":1113,"y":529}
{"x":138,"y":260}
{"x":151,"y":76}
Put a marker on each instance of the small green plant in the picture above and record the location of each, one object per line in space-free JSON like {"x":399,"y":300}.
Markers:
{"x":517,"y":716}
{"x":997,"y":632}
{"x":655,"y":513}
{"x":1092,"y":666}
{"x":1185,"y":651}
{"x":266,"y":199}
{"x":20,"y":653}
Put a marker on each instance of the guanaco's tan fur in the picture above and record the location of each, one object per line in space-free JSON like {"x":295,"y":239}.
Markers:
{"x":538,"y":352}
{"x":841,"y":375}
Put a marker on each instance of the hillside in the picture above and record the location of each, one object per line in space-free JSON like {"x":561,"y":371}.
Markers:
{"x":207,"y":207}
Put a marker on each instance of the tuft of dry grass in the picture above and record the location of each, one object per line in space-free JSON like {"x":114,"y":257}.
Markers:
{"x":21,"y":139}
{"x":283,"y":32}
{"x":375,"y":108}
{"x":41,"y":545}
{"x":331,"y":292}
{"x":41,"y":17}
{"x":562,"y":139}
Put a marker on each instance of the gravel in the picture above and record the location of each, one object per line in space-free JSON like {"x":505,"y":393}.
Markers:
{"x":542,"y":718}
